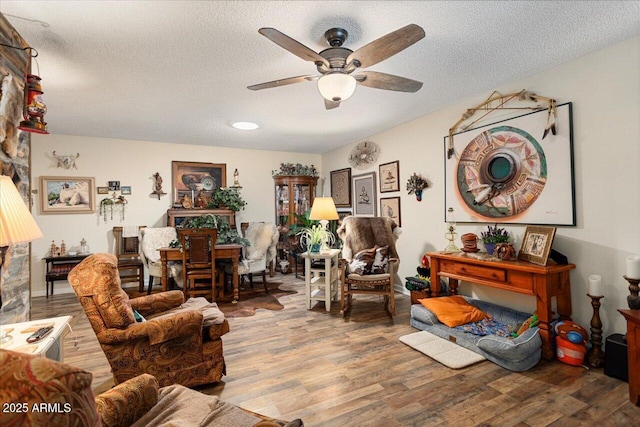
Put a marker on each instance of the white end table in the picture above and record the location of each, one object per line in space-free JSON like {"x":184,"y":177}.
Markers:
{"x":50,"y":346}
{"x":321,"y":283}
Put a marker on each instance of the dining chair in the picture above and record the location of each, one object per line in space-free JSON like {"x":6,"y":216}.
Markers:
{"x":198,"y":261}
{"x":126,"y":249}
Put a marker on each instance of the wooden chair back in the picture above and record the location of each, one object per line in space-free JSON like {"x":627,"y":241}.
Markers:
{"x":127,"y":250}
{"x":198,"y":259}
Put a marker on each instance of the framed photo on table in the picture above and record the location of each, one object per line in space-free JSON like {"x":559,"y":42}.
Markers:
{"x":390,"y":207}
{"x":364,"y":192}
{"x":67,"y":195}
{"x":536,"y":244}
{"x":341,"y":187}
{"x":389,"y":176}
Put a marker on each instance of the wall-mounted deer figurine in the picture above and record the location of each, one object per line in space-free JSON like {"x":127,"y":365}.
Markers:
{"x":67,"y":162}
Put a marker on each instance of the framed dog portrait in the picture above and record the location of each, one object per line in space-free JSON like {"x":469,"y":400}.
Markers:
{"x":364,"y":193}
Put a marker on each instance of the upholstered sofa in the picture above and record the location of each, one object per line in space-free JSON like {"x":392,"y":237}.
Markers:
{"x":517,"y":354}
{"x":177,"y":348}
{"x":35,"y":391}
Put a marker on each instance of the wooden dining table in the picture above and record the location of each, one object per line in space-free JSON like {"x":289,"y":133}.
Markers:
{"x":230,"y":251}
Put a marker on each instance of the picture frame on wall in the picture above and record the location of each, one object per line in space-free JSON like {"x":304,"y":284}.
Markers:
{"x":125,"y":190}
{"x":103,"y":190}
{"x":390,"y":208}
{"x":389,"y":174}
{"x":341,"y":187}
{"x":364,"y":194}
{"x":506,"y":172}
{"x":536,"y":244}
{"x":189,"y":178}
{"x":67,"y":195}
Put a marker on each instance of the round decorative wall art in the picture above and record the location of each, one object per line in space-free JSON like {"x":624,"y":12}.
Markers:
{"x":501,"y":172}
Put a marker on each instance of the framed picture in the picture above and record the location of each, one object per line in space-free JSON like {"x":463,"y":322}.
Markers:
{"x":103,"y":190}
{"x":67,"y":194}
{"x":364,"y":192}
{"x":341,"y":187}
{"x":114,"y":185}
{"x":505,"y":172}
{"x":189,"y":177}
{"x":389,"y":176}
{"x":125,"y":190}
{"x":536,"y":244}
{"x":343,"y":213}
{"x":390,"y":207}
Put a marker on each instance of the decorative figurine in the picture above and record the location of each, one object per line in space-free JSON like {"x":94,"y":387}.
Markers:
{"x":157,"y":185}
{"x":63,"y":249}
{"x":53,"y":249}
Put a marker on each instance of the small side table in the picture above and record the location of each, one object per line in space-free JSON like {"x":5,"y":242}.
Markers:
{"x":321,"y":277}
{"x":58,"y":267}
{"x":50,"y":346}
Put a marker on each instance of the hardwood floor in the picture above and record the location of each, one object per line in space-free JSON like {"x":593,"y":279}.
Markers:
{"x":310,"y":364}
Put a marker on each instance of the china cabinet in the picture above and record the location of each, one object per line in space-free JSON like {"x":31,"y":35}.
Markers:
{"x":294,"y":195}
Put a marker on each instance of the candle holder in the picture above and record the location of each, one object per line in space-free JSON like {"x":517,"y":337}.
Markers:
{"x":596,"y":355}
{"x":633,"y":300}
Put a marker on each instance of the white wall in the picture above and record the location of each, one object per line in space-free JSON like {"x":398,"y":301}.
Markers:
{"x":133,"y":163}
{"x":604,"y":89}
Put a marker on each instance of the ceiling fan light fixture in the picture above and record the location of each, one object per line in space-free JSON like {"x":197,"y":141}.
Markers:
{"x":336,"y":86}
{"x":245,"y":125}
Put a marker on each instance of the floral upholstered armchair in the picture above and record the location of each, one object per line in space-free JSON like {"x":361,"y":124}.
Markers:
{"x":36,"y":391}
{"x":177,"y":348}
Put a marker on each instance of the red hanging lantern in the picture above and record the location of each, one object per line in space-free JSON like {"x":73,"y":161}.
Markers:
{"x":35,"y":108}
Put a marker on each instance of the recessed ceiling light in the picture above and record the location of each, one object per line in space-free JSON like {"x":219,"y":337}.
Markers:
{"x":245,"y":125}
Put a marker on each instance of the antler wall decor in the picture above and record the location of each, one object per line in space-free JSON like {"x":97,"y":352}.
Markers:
{"x":496,"y":101}
{"x":66,"y":162}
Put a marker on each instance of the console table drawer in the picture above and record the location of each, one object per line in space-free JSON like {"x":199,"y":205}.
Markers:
{"x":474,"y":271}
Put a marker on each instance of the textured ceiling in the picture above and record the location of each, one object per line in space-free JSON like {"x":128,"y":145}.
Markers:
{"x":177,"y":71}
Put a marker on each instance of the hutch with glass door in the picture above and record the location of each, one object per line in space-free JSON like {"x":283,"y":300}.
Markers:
{"x":294,"y":195}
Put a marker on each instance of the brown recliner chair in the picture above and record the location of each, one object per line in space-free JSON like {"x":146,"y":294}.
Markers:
{"x":176,"y":348}
{"x":365,"y":240}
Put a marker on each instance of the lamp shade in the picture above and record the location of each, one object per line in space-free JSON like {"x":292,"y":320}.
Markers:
{"x":323,"y":209}
{"x":16,"y":223}
{"x":336,"y":86}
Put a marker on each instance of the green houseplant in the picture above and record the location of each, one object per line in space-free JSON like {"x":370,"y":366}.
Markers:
{"x":493,"y":236}
{"x":228,"y":198}
{"x":226,"y":234}
{"x":314,"y":236}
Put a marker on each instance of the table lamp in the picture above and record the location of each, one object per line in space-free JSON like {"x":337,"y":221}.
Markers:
{"x":323,"y":210}
{"x":16,"y":223}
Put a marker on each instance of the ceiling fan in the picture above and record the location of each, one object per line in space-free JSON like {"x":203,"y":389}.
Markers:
{"x":336,"y":63}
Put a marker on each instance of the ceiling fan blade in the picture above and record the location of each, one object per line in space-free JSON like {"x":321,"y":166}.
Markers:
{"x":387,"y":81}
{"x":283,"y":82}
{"x":293,"y":46}
{"x":386,"y":46}
{"x":330,"y":105}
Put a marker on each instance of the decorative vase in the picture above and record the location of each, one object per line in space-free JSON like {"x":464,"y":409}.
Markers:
{"x":418,"y":195}
{"x":315,"y":248}
{"x":490,"y":247}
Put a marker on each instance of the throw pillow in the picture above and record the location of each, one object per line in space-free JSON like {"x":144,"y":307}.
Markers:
{"x":380,"y":261}
{"x":362,"y":261}
{"x":454,"y":310}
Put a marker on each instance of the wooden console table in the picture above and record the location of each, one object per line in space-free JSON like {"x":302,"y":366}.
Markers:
{"x":543,"y":282}
{"x":633,"y":341}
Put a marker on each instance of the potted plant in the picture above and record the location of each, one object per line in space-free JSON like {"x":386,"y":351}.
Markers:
{"x":416,"y":184}
{"x":492,"y":236}
{"x":314,"y":236}
{"x":226,"y":234}
{"x":228,"y":198}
